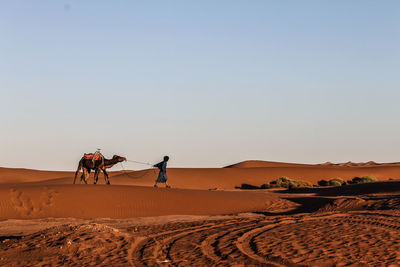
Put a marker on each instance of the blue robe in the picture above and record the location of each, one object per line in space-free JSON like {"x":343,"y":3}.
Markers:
{"x":162,"y":175}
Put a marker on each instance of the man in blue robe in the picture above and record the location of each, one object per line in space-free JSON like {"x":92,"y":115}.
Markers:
{"x":162,"y":175}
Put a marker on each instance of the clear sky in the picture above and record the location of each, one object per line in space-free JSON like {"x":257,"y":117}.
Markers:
{"x":208,"y":83}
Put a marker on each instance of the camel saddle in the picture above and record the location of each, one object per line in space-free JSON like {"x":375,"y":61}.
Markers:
{"x":91,"y":155}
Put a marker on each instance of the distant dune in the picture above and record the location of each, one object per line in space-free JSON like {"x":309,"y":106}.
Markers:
{"x":265,"y":164}
{"x":19,"y":175}
{"x":250,"y":172}
{"x":228,"y":178}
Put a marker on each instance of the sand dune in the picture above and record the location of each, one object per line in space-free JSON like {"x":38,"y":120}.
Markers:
{"x":130,"y":223}
{"x":228,"y":178}
{"x":341,"y":235}
{"x":102,"y":201}
{"x":264,"y":164}
{"x":18,"y":175}
{"x":210,"y":178}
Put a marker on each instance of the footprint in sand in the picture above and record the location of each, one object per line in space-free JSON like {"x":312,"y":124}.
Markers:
{"x":47,"y":197}
{"x":21,"y":202}
{"x":26,"y":206}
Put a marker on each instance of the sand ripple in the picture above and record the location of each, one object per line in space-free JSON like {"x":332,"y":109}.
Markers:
{"x":329,"y":239}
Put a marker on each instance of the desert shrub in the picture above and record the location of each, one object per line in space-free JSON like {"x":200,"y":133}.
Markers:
{"x":249,"y":186}
{"x":270,"y":185}
{"x":323,"y":183}
{"x":300,"y":183}
{"x":336,"y":182}
{"x":355,"y":180}
{"x":368,"y":179}
{"x":285,"y":182}
{"x":292,"y":186}
{"x":364,"y":179}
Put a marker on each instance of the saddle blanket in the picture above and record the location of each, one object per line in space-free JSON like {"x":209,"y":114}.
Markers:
{"x":90,"y":156}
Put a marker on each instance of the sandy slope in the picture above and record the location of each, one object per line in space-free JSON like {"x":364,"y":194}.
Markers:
{"x":101,"y":201}
{"x":361,"y":230}
{"x":212,"y":178}
{"x":18,"y":175}
{"x":134,"y":224}
{"x":228,"y":178}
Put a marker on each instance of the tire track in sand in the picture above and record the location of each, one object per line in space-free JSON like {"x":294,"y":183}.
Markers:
{"x":336,"y":239}
{"x":328,"y":239}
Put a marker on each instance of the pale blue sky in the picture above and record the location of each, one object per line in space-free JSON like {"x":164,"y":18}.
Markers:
{"x":209,"y":83}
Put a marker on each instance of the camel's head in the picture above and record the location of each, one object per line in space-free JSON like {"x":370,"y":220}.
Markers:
{"x":118,"y":158}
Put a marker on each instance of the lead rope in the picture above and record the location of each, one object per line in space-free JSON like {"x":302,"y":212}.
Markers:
{"x":144,"y":163}
{"x":144,"y":173}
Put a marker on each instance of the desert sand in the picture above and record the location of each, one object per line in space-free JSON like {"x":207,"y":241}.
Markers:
{"x":202,"y":220}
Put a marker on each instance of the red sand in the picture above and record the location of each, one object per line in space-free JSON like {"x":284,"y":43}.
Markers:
{"x":115,"y":201}
{"x":250,"y":172}
{"x":132,"y":223}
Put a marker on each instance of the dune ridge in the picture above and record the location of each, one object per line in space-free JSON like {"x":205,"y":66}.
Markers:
{"x":264,"y":164}
{"x":210,"y":178}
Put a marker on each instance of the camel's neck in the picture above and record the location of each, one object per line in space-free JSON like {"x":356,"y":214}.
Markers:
{"x":110,"y":162}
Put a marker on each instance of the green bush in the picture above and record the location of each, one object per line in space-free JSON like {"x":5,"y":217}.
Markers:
{"x":285,"y":182}
{"x":336,"y":182}
{"x":299,"y":183}
{"x":364,"y":179}
{"x":268,"y":186}
{"x":323,"y":183}
{"x":368,"y":179}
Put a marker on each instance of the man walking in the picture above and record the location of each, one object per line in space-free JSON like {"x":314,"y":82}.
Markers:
{"x":162,"y":175}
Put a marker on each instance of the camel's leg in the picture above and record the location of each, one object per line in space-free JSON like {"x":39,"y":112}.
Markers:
{"x":106,"y":176}
{"x":77,"y":171}
{"x":85,"y":175}
{"x":96,"y":175}
{"x":88,"y":175}
{"x":76,"y":174}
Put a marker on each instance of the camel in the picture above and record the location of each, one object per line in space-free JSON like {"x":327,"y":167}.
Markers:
{"x":100,"y":164}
